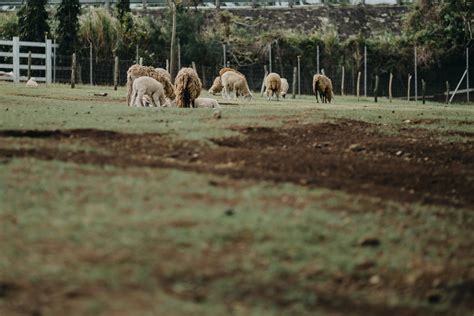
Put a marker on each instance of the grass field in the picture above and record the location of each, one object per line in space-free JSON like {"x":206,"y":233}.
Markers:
{"x":277,"y":208}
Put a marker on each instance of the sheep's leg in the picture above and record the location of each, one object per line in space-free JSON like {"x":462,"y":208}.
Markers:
{"x":156,"y":99}
{"x":140,"y":98}
{"x":278,"y":95}
{"x":134,"y":98}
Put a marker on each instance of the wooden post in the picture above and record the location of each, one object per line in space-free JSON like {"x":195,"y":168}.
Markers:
{"x":416,"y":75}
{"x":144,"y":4}
{"x":408,"y":87}
{"x":294,"y":82}
{"x":342,"y":82}
{"x":193,"y":64}
{"x":270,"y":57}
{"x":179,"y":54}
{"x":447,"y":92}
{"x":54,"y":60}
{"x":390,"y":87}
{"x":322,"y":72}
{"x":136,"y":54}
{"x":218,"y":4}
{"x":73,"y":71}
{"x":299,"y":76}
{"x":203,"y":72}
{"x":141,"y":61}
{"x":358,"y":86}
{"x":90,"y":66}
{"x":376,"y":88}
{"x":224,"y":54}
{"x":167,"y":65}
{"x":116,"y":72}
{"x":467,"y":74}
{"x":423,"y":89}
{"x":317,"y":59}
{"x":365,"y":71}
{"x":29,"y":65}
{"x":264,"y":76}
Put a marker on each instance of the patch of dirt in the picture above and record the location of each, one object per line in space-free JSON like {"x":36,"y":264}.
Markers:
{"x":347,"y":155}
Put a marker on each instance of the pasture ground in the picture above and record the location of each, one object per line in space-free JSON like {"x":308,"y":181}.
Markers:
{"x":277,"y":208}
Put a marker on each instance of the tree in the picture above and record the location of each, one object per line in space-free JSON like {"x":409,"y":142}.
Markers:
{"x":68,"y":28}
{"x":33,"y":21}
{"x":173,"y":55}
{"x":123,"y":9}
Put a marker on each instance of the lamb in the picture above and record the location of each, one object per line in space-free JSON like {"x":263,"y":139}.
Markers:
{"x":226,"y":69}
{"x":206,"y":103}
{"x":323,"y":86}
{"x":284,"y":87}
{"x":232,"y":81}
{"x":216,"y":86}
{"x":273,"y":85}
{"x":137,"y":71}
{"x":147,"y":86}
{"x":188,"y":87}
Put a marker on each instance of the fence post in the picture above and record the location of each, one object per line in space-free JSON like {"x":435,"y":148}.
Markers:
{"x":141,"y":61}
{"x":90,"y":65}
{"x":144,"y":4}
{"x":390,"y":87}
{"x":116,"y":72}
{"x":264,"y":76}
{"x":447,"y":92}
{"x":408,"y":87}
{"x":467,"y":74}
{"x":294,"y":82}
{"x":299,"y":76}
{"x":54,"y":61}
{"x":423,"y":90}
{"x":254,"y":4}
{"x":358,"y":86}
{"x":376,"y":88}
{"x":218,"y":4}
{"x":416,"y":77}
{"x":317,"y":59}
{"x":179,"y":54}
{"x":365,"y":71}
{"x":49,"y":68}
{"x":270,"y":57}
{"x":224,"y":53}
{"x":73,"y":71}
{"x":342,"y":81}
{"x":29,"y":65}
{"x":203,"y":71}
{"x":16,"y":59}
{"x":167,"y":65}
{"x":193,"y":64}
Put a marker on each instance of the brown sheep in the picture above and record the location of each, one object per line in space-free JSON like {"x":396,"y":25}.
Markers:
{"x":323,"y":86}
{"x":232,"y":81}
{"x":137,"y":71}
{"x":164,"y":72}
{"x":188,"y":87}
{"x":226,"y":69}
{"x":216,"y":86}
{"x":273,"y":85}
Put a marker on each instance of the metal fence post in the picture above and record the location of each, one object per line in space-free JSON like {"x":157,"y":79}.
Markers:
{"x":365,"y":71}
{"x":90,"y":65}
{"x":49,"y":70}
{"x":299,"y":76}
{"x":270,"y":57}
{"x":224,"y":53}
{"x":317,"y":59}
{"x":16,"y":59}
{"x":416,"y":77}
{"x":467,"y":74}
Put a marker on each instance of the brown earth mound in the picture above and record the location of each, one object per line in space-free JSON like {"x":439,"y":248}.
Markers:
{"x":348,"y":155}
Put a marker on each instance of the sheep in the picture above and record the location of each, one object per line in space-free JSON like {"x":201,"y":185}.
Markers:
{"x":206,"y":103}
{"x":284,"y":87}
{"x":323,"y":86}
{"x":164,"y":73}
{"x":232,"y":81}
{"x":273,"y":85}
{"x":216,"y":86}
{"x":147,"y":86}
{"x":188,"y":87}
{"x":137,"y":71}
{"x":226,"y":69}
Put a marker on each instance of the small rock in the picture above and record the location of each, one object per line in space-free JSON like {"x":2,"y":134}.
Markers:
{"x":370,"y":242}
{"x":375,"y":279}
{"x":407,"y":121}
{"x":356,"y":147}
{"x":399,"y":153}
{"x":229,"y":212}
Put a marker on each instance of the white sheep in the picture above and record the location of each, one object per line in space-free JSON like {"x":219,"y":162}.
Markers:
{"x":232,"y":81}
{"x":206,"y":103}
{"x":273,"y":85}
{"x":147,"y":86}
{"x":284,"y":87}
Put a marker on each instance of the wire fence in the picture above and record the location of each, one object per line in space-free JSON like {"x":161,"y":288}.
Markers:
{"x":103,"y":74}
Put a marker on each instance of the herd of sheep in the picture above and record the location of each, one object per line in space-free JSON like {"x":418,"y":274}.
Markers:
{"x":153,"y":86}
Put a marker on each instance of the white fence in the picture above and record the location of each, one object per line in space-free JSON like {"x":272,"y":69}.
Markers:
{"x":16,"y":53}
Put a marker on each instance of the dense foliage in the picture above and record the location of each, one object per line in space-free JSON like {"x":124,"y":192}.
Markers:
{"x":33,"y":21}
{"x":67,"y":32}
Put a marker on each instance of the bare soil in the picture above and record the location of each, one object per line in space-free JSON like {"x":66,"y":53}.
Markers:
{"x":353,"y":156}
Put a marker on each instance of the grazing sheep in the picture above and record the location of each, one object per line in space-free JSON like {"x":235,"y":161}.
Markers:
{"x":284,"y":87}
{"x":164,"y":73}
{"x":226,"y":69}
{"x":147,"y":86}
{"x":31,"y":83}
{"x":137,"y":71}
{"x":216,"y":86}
{"x":273,"y":85}
{"x":323,"y":86}
{"x":232,"y":81}
{"x":206,"y":103}
{"x":188,"y":87}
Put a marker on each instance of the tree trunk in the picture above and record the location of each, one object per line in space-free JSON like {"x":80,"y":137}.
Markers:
{"x":173,"y":56}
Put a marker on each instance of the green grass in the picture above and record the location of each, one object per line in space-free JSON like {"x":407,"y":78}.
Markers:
{"x":142,"y":241}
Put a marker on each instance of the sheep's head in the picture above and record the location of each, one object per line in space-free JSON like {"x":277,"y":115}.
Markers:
{"x":216,"y":86}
